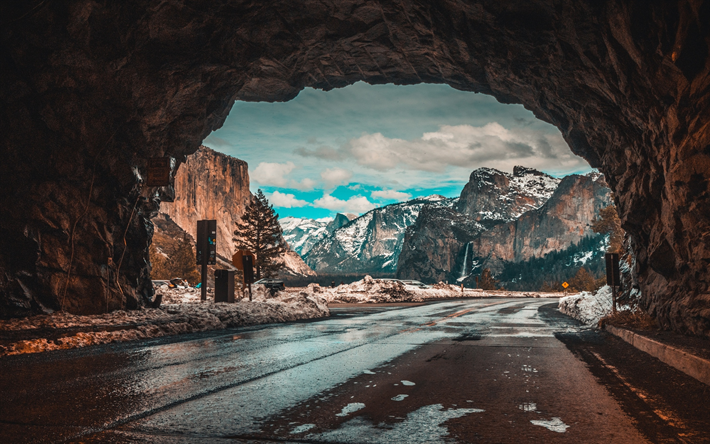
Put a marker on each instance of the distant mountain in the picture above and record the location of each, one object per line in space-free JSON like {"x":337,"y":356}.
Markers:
{"x":562,"y":221}
{"x":501,"y":222}
{"x":493,"y":196}
{"x":302,"y":233}
{"x":431,"y":246}
{"x":372,"y":242}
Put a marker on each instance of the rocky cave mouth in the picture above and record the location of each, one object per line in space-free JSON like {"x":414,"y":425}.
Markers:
{"x":93,"y":89}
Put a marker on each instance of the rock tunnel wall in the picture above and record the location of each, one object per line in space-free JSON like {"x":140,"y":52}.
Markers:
{"x":92,"y":88}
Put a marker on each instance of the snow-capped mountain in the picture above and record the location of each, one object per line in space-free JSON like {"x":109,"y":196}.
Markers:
{"x":502,"y":221}
{"x":303,"y":233}
{"x":493,"y":196}
{"x":373,"y":241}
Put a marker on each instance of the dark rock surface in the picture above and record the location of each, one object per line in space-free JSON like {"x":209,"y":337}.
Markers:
{"x":433,"y":244}
{"x":561,"y":221}
{"x":92,"y":88}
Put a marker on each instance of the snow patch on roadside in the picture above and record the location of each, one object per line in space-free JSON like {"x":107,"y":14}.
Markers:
{"x":588,"y":307}
{"x":170,"y":319}
{"x":369,"y":290}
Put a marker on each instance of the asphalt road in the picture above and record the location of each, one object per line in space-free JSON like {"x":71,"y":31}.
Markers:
{"x":484,"y":370}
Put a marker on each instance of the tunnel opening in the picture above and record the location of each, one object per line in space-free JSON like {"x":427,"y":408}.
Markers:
{"x":373,"y":156}
{"x":94,"y":88}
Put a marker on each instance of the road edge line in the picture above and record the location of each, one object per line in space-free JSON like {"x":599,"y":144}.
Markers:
{"x":687,"y":363}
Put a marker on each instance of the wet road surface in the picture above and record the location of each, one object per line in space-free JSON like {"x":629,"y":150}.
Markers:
{"x":484,"y":370}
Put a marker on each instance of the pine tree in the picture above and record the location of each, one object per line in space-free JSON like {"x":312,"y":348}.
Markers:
{"x":609,"y":223}
{"x":259,"y":232}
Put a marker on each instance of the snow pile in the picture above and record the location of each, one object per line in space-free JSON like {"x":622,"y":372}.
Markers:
{"x":588,"y":307}
{"x":369,"y":290}
{"x":182,"y":295}
{"x":169,"y":319}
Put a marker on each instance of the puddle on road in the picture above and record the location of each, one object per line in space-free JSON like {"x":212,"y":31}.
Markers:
{"x":554,"y":424}
{"x":421,"y":426}
{"x":350,"y":408}
{"x":528,"y":406}
{"x":302,"y":428}
{"x":399,"y":397}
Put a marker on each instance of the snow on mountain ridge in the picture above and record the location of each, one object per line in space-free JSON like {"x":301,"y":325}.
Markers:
{"x":373,"y":241}
{"x":496,"y":196}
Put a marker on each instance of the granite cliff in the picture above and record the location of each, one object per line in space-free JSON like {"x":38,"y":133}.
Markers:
{"x":210,"y":185}
{"x":453,"y":246}
{"x":563,"y":220}
{"x":493,"y":196}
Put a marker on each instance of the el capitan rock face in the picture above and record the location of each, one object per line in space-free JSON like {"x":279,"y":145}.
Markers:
{"x":93,"y":88}
{"x":210,"y":185}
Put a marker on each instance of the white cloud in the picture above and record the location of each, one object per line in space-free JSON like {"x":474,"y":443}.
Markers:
{"x":304,"y":185}
{"x":356,"y":204}
{"x":468,"y":147}
{"x":335,"y":176}
{"x":273,"y":174}
{"x":283,"y":200}
{"x":390,"y":195}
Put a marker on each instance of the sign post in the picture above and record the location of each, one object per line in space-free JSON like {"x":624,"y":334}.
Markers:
{"x":206,"y":250}
{"x":244,"y":260}
{"x":158,"y":172}
{"x":565,"y":285}
{"x":613,"y":276}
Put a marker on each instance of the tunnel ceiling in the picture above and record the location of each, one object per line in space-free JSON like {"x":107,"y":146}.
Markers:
{"x":93,"y":88}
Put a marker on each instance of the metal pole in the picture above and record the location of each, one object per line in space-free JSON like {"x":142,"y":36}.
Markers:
{"x":203,"y":287}
{"x":249,"y":285}
{"x":613,"y":293}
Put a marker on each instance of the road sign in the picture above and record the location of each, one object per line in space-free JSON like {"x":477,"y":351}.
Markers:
{"x":224,"y":285}
{"x":237,"y":259}
{"x":565,"y":285}
{"x":158,"y":174}
{"x":248,"y":264}
{"x":206,"y":242}
{"x":206,"y":250}
{"x":613,"y":277}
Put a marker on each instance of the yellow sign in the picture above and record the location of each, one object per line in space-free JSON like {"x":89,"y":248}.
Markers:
{"x":237,"y":258}
{"x":565,"y":284}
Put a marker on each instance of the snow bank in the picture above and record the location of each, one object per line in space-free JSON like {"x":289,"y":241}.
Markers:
{"x":369,"y":290}
{"x":171,"y":318}
{"x":588,"y":307}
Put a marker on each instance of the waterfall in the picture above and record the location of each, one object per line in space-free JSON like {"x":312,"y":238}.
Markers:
{"x":465,"y":260}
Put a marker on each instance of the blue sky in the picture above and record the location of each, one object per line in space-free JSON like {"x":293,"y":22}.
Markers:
{"x":355,"y":148}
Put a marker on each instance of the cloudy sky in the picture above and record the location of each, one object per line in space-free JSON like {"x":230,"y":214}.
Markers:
{"x":355,"y":148}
